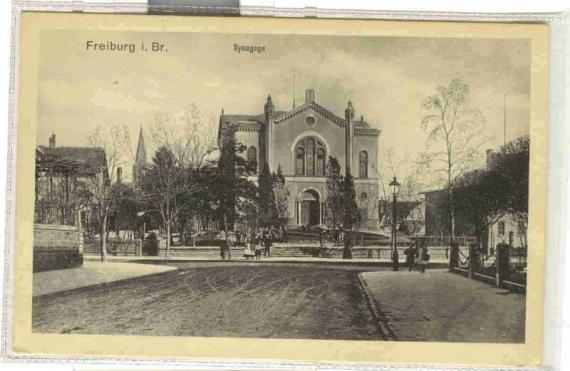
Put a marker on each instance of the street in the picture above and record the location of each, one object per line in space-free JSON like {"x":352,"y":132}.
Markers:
{"x":289,"y":300}
{"x":217,"y":299}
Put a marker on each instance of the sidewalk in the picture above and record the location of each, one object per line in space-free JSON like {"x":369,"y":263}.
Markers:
{"x":442,"y":306}
{"x":92,"y":273}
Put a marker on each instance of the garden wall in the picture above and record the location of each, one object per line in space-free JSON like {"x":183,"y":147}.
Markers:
{"x":57,"y":247}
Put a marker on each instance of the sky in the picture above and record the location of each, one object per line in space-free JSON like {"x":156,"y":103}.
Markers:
{"x":385,"y":77}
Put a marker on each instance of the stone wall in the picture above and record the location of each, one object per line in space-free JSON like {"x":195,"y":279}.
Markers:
{"x":57,"y":247}
{"x":306,"y":250}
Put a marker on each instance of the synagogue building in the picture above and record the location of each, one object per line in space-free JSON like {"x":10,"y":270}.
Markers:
{"x":301,"y":140}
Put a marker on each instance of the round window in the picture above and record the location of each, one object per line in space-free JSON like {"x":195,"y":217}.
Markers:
{"x":310,"y":120}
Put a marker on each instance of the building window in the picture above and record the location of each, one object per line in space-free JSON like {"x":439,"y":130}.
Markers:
{"x":320,"y":162}
{"x":252,"y":158}
{"x":310,"y":156}
{"x":300,"y":162}
{"x":363,"y":161}
{"x":310,"y":164}
{"x":501,"y":228}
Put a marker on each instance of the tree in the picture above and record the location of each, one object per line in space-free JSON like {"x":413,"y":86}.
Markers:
{"x":267,"y":212}
{"x":512,"y":163}
{"x":480,"y":195}
{"x":231,"y":190}
{"x":334,"y":203}
{"x":350,"y":212}
{"x":281,"y":197}
{"x":124,"y":207}
{"x":116,"y":143}
{"x":163,"y":186}
{"x":454,"y":137}
{"x":189,"y":135}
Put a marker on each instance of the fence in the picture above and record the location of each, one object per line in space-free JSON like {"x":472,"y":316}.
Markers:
{"x":505,"y":266}
{"x":445,"y":240}
{"x":131,"y":247}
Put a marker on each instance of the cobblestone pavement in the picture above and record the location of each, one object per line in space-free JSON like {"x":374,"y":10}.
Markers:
{"x":218,"y":299}
{"x":442,"y":306}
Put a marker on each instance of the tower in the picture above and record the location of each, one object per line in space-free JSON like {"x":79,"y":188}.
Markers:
{"x":349,"y":133}
{"x":269,"y":108}
{"x":140,"y":160}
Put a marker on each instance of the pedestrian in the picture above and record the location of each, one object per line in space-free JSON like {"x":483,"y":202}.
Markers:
{"x":248,"y":250}
{"x":410,"y":253}
{"x":267,"y":241}
{"x":226,"y":248}
{"x":423,"y":257}
{"x":257,"y":246}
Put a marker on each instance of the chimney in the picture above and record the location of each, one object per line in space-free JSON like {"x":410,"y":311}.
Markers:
{"x":119,"y":174}
{"x":52,"y":141}
{"x":309,"y":96}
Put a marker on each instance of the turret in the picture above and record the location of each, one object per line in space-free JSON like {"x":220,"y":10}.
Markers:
{"x":269,"y":110}
{"x":349,"y":133}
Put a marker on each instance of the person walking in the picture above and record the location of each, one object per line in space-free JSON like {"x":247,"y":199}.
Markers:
{"x":410,"y":253}
{"x":423,"y":257}
{"x":248,"y":250}
{"x":267,"y":241}
{"x":227,"y":245}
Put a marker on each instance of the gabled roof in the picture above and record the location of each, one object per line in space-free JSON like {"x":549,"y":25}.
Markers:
{"x":85,"y":160}
{"x":256,"y":121}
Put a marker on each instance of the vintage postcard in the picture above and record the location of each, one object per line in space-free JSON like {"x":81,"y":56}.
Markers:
{"x":280,"y":189}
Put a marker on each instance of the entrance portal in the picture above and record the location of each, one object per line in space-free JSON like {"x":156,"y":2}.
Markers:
{"x":310,"y":210}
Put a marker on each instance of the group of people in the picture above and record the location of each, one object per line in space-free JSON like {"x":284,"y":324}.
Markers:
{"x":417,"y":256}
{"x":258,"y":243}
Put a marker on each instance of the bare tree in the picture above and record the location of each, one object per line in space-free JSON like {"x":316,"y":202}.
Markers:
{"x":115,"y":141}
{"x":189,"y":134}
{"x":455,"y":137}
{"x":164,"y":184}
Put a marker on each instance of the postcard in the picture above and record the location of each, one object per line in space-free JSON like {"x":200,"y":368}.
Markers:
{"x":249,"y":188}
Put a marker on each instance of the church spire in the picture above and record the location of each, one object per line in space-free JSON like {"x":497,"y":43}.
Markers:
{"x":140,"y":159}
{"x":141,"y":149}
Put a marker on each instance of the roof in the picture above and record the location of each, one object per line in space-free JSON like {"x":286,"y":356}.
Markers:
{"x":256,"y":121}
{"x":85,"y":160}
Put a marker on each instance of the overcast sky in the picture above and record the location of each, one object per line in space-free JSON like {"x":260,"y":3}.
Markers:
{"x":386,"y":78}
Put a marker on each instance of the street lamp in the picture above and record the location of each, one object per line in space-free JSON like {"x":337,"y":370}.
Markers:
{"x":395,"y":187}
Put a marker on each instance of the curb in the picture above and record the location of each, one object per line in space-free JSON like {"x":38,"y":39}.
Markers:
{"x":379,"y":318}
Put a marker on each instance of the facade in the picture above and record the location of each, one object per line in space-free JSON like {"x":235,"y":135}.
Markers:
{"x":300,"y":141}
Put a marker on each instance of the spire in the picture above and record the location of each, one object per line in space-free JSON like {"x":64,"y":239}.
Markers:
{"x":140,"y":158}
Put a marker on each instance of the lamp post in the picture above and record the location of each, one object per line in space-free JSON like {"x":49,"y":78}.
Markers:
{"x":395,"y":187}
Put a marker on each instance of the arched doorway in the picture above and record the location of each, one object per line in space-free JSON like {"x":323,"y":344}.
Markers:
{"x":310,"y":209}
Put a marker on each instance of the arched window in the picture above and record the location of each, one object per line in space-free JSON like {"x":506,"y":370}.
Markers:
{"x":310,"y":164}
{"x":252,"y":158}
{"x":300,"y":161}
{"x":363,"y":162}
{"x":310,"y":157}
{"x":320,"y":162}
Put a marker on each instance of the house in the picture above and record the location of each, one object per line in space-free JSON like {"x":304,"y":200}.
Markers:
{"x":65,"y":179}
